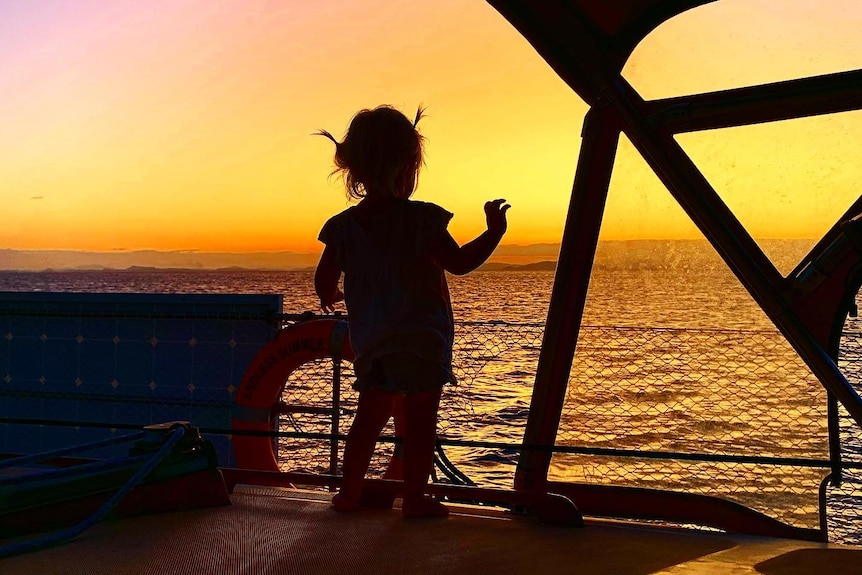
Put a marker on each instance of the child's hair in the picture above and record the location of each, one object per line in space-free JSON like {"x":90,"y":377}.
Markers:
{"x":382,"y":151}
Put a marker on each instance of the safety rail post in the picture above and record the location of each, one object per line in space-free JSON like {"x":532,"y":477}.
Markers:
{"x":571,"y":281}
{"x":336,"y":412}
{"x":834,"y":433}
{"x":336,"y":341}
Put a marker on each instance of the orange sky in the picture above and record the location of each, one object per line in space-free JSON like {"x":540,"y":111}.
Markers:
{"x":185,"y":124}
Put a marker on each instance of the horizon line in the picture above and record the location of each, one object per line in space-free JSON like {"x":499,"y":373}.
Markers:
{"x":289,"y":251}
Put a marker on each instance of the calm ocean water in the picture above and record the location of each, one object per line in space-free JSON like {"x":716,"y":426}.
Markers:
{"x":673,"y":356}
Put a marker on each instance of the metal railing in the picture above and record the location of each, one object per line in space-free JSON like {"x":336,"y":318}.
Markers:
{"x":728,"y":413}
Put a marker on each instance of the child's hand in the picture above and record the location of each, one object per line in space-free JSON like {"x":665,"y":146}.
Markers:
{"x":329,"y":306}
{"x":495,"y":215}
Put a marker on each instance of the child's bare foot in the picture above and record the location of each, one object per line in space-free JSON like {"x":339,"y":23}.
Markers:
{"x":341,"y":502}
{"x":424,"y":507}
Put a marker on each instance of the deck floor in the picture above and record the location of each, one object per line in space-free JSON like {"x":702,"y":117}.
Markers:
{"x":278,"y":531}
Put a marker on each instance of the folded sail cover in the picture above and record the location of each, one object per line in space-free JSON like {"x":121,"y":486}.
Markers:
{"x":587,"y":42}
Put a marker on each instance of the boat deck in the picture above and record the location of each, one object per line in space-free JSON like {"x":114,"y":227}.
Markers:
{"x":284,"y":531}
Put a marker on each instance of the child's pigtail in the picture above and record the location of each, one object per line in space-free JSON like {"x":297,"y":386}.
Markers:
{"x":326,"y":134}
{"x":341,"y":166}
{"x":420,"y":111}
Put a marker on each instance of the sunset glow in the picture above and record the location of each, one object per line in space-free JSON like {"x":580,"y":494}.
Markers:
{"x":185,"y":124}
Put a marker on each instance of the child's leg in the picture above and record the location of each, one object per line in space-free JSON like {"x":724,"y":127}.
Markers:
{"x":420,"y":435}
{"x":395,"y":470}
{"x":372,"y":413}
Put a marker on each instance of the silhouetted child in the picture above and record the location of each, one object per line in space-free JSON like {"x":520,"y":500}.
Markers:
{"x":393,"y":253}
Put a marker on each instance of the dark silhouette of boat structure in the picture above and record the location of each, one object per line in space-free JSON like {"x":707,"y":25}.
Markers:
{"x":145,"y":347}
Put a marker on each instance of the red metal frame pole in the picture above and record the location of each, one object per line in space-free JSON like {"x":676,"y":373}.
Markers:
{"x":800,"y":98}
{"x":571,"y":281}
{"x":741,"y":253}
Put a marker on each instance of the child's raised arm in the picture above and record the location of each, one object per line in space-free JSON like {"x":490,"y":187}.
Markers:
{"x":460,"y":260}
{"x":326,"y":281}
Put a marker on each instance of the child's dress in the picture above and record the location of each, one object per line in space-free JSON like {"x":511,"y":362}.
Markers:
{"x":400,"y":316}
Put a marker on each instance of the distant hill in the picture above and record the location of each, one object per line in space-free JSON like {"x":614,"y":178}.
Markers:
{"x":691,"y":254}
{"x":544,"y":266}
{"x":628,"y":254}
{"x":136,"y":260}
{"x":147,"y":260}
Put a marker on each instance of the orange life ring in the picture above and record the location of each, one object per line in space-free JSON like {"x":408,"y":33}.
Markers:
{"x":265,"y":377}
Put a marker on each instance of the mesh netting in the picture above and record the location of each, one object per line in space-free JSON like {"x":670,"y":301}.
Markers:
{"x":714,"y":392}
{"x":697,"y":392}
{"x":844,"y":500}
{"x":497,"y":355}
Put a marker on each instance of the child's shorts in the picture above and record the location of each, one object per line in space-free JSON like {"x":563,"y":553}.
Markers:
{"x":404,"y":372}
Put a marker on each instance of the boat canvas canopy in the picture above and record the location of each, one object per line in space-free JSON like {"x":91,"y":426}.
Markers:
{"x":588,"y":42}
